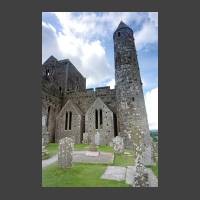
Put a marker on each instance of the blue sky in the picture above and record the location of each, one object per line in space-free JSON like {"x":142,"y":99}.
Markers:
{"x":87,"y":40}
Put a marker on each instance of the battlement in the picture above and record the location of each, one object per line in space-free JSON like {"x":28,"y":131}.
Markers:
{"x":102,"y":89}
{"x":99,"y":91}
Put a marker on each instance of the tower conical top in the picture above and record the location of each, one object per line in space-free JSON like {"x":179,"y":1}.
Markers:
{"x":122,"y":25}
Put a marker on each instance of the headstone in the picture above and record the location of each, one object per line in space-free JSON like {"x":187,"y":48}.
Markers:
{"x":43,"y":121}
{"x":111,"y":144}
{"x":141,"y":177}
{"x":85,"y":138}
{"x":118,"y":145}
{"x":45,"y":153}
{"x":97,"y":139}
{"x":66,"y":147}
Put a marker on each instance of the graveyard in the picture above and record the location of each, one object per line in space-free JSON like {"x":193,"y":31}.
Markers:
{"x":83,"y":174}
{"x":101,"y":135}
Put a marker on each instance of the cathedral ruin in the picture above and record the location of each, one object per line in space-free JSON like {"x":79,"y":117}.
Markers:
{"x":69,"y":109}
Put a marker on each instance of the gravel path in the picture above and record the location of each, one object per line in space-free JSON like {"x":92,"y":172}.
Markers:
{"x":49,"y":161}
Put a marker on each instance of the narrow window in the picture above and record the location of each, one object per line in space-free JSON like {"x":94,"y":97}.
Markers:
{"x":101,"y":120}
{"x":118,"y":34}
{"x":47,"y":72}
{"x":70,"y":120}
{"x":66,"y":120}
{"x":133,"y":99}
{"x":96,"y":118}
{"x":48,"y":117}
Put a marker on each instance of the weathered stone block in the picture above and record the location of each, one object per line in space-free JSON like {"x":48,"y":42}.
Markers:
{"x":97,"y":139}
{"x":118,"y":145}
{"x":85,"y":138}
{"x":66,"y":147}
{"x":45,"y":153}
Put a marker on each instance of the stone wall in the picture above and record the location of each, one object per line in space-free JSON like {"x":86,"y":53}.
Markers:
{"x":75,"y":80}
{"x":50,"y":109}
{"x":63,"y":128}
{"x":84,"y":99}
{"x":92,"y":125}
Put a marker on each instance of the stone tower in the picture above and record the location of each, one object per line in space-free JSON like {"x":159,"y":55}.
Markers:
{"x":131,"y":112}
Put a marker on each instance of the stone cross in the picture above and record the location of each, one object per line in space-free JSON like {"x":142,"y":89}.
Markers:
{"x":65,"y":152}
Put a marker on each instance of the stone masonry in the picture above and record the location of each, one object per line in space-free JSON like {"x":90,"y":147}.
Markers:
{"x":65,"y":152}
{"x":69,"y":109}
{"x":118,"y":145}
{"x":131,"y":110}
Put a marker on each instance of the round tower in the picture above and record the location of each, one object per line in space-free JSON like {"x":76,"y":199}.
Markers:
{"x":131,"y":111}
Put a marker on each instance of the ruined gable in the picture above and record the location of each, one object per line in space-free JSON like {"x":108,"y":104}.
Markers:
{"x":99,"y":118}
{"x":69,"y":123}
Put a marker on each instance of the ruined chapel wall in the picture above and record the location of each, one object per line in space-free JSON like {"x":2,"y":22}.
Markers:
{"x":63,"y":129}
{"x":84,"y":99}
{"x":105,"y":129}
{"x":50,"y":109}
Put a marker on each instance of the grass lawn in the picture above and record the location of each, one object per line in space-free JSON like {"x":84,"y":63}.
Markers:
{"x":80,"y":175}
{"x":123,"y":159}
{"x":52,"y":149}
{"x":86,"y":175}
{"x":155,"y":169}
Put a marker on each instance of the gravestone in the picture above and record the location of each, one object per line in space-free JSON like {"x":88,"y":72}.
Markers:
{"x":45,"y":153}
{"x":97,"y":139}
{"x":118,"y":145}
{"x":141,"y":177}
{"x":111,"y":144}
{"x":85,"y":138}
{"x":65,"y":151}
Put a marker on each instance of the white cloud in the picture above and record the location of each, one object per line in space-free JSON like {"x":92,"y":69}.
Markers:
{"x":111,"y":83}
{"x":153,"y":16}
{"x":148,"y":34}
{"x":81,"y":36}
{"x":50,"y":44}
{"x":151,"y":101}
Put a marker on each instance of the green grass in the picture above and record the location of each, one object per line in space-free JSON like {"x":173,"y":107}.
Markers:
{"x":52,"y":149}
{"x":86,"y":175}
{"x":79,"y":175}
{"x":155,"y":169}
{"x":123,"y":159}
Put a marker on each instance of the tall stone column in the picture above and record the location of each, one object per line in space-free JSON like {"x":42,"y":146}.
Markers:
{"x":141,"y":178}
{"x":131,"y":110}
{"x":65,"y":152}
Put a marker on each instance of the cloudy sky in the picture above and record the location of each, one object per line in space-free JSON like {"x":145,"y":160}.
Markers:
{"x":87,"y":40}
